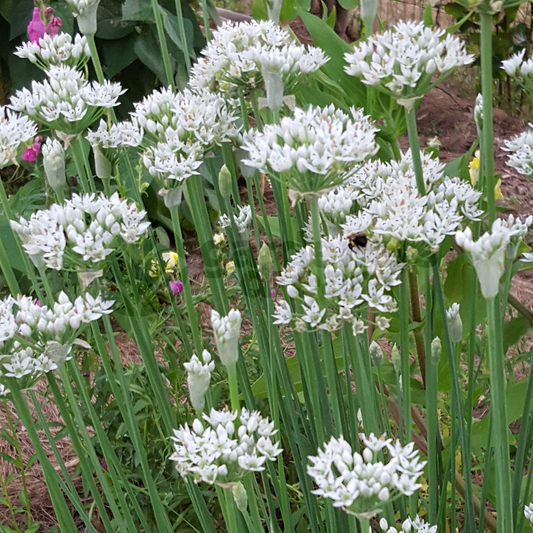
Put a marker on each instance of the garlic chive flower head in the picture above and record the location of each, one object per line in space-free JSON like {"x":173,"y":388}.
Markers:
{"x":15,"y":130}
{"x":489,"y":251}
{"x":418,"y":525}
{"x":227,"y":330}
{"x":401,"y":61}
{"x":242,"y":220}
{"x":528,"y":512}
{"x":520,"y":69}
{"x":359,"y":483}
{"x":199,"y":378}
{"x":66,"y":101}
{"x":179,"y":129}
{"x":58,"y":50}
{"x":221,"y":449}
{"x":313,"y":150}
{"x":355,"y":279}
{"x":394,"y":214}
{"x":521,"y":152}
{"x":455,"y":324}
{"x":85,"y":229}
{"x":240,"y":55}
{"x":35,"y":339}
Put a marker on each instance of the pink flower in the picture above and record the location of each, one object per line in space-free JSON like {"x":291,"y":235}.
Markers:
{"x":53,"y":26}
{"x":176,"y":287}
{"x":272,"y":293}
{"x":31,"y":153}
{"x":36,"y":28}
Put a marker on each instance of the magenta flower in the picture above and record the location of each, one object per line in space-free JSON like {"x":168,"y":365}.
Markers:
{"x":53,"y":26}
{"x":176,"y":287}
{"x":272,"y":293}
{"x":36,"y":28}
{"x":31,"y":153}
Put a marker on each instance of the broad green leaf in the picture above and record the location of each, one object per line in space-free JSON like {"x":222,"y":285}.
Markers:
{"x":111,"y":25}
{"x":330,"y":21}
{"x":5,"y":9}
{"x":274,"y":225}
{"x":148,"y":50}
{"x":21,"y":14}
{"x":349,"y":4}
{"x":288,"y":10}
{"x":137,"y":10}
{"x":119,"y":54}
{"x":170,"y":22}
{"x":427,"y":17}
{"x":514,"y":330}
{"x":313,"y":96}
{"x":260,"y":10}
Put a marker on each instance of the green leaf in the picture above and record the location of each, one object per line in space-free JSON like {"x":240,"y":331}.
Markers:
{"x":288,"y":10}
{"x":274,"y":225}
{"x":349,"y":4}
{"x":330,"y":21}
{"x":119,"y":54}
{"x":33,"y":528}
{"x":170,"y":22}
{"x":514,"y":330}
{"x":111,"y":24}
{"x":309,"y":95}
{"x":5,"y":9}
{"x":21,"y":15}
{"x":137,"y":10}
{"x":23,"y":497}
{"x":259,"y":10}
{"x":148,"y":50}
{"x":427,"y":17}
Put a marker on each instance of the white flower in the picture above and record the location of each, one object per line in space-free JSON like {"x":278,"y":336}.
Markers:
{"x":521,"y":148}
{"x":359,"y":483}
{"x":15,"y":130}
{"x":313,"y":150}
{"x":85,"y":11}
{"x":219,"y":453}
{"x":242,"y":220}
{"x":66,"y":101}
{"x":54,"y":163}
{"x":402,"y":60}
{"x":241,"y":55}
{"x":199,"y":378}
{"x":57,"y":50}
{"x":227,"y":330}
{"x":455,"y":324}
{"x":528,"y":512}
{"x":282,"y":313}
{"x":418,"y":525}
{"x":3,"y":390}
{"x":519,"y":68}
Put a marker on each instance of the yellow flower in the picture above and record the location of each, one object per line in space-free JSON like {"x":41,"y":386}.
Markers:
{"x":154,"y":269}
{"x":497,"y":191}
{"x":171,"y":259}
{"x":218,"y":238}
{"x":473,"y":166}
{"x":230,"y":268}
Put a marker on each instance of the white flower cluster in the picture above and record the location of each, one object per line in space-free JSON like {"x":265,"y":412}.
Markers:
{"x":359,"y":483}
{"x":224,"y":450}
{"x":87,"y":228}
{"x":355,"y":278}
{"x":34,"y":339}
{"x":394,"y":214}
{"x":313,"y":150}
{"x":402,"y":60}
{"x":199,"y":378}
{"x":418,"y":525}
{"x":238,"y":55}
{"x":528,"y":512}
{"x":58,"y":50}
{"x":489,"y":251}
{"x":242,"y":220}
{"x":521,"y":148}
{"x":520,"y":68}
{"x":66,"y":101}
{"x":15,"y":130}
{"x":115,"y":135}
{"x":227,"y":330}
{"x":81,"y":6}
{"x":180,"y":128}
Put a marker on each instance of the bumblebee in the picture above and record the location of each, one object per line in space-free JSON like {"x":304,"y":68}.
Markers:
{"x":357,"y":241}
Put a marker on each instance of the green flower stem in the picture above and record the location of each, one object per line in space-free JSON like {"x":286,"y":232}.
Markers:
{"x":365,"y":525}
{"x":184,"y":274}
{"x":89,"y":464}
{"x":7,"y":270}
{"x":163,"y":45}
{"x":51,"y":477}
{"x":252,"y":502}
{"x":417,"y":317}
{"x":432,"y":415}
{"x":181,"y":26}
{"x":524,"y":438}
{"x":9,"y":505}
{"x":228,"y":510}
{"x":229,"y":161}
{"x":95,"y":58}
{"x":501,"y":431}
{"x":486,"y":474}
{"x":87,"y":184}
{"x":233,"y":386}
{"x":456,"y":395}
{"x":255,"y":223}
{"x":404,"y":353}
{"x":487,"y":145}
{"x":521,"y":517}
{"x":410,"y":119}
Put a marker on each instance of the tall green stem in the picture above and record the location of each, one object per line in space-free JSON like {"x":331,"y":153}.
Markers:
{"x":499,"y":410}
{"x":487,"y":146}
{"x":163,"y":44}
{"x":404,"y":353}
{"x":412,"y":132}
{"x":233,"y":386}
{"x":95,"y":58}
{"x":181,"y":26}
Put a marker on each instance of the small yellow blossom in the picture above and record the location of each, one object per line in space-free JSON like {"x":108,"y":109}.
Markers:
{"x":218,"y":238}
{"x":154,"y":269}
{"x":171,"y":260}
{"x":473,"y":167}
{"x":497,"y":191}
{"x":230,"y":268}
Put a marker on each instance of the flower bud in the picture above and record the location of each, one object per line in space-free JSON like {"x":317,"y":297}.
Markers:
{"x":227,"y":330}
{"x":87,"y":21}
{"x":54,"y":164}
{"x":103,"y":167}
{"x":274,"y":87}
{"x":265,"y":262}
{"x":455,"y":324}
{"x":436,"y":350}
{"x":240,"y":496}
{"x":396,"y":359}
{"x":224,"y":182}
{"x":199,"y":378}
{"x":57,"y":352}
{"x":376,"y":354}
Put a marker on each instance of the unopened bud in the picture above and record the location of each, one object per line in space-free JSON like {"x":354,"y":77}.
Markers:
{"x":436,"y":350}
{"x":103,"y":167}
{"x":54,"y":163}
{"x":224,"y":182}
{"x":396,"y":359}
{"x":455,"y":324}
{"x":376,"y":354}
{"x":227,"y":330}
{"x":265,"y":262}
{"x":240,"y":496}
